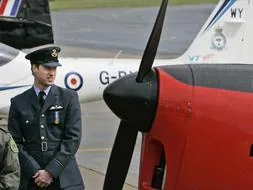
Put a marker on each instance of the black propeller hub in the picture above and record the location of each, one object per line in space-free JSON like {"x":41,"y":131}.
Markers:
{"x":134,"y":102}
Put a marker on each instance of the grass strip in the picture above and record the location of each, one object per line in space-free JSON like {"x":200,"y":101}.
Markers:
{"x":87,"y":4}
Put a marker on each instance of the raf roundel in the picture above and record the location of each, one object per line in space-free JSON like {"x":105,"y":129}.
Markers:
{"x":73,"y":81}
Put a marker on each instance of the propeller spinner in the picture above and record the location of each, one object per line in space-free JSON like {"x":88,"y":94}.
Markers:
{"x":133,"y":99}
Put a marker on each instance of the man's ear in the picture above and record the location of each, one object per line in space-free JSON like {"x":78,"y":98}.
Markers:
{"x":34,"y":68}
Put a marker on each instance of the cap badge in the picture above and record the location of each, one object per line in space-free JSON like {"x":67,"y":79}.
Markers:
{"x":54,"y":53}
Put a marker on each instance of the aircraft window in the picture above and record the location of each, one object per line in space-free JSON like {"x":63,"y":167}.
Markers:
{"x":7,"y":54}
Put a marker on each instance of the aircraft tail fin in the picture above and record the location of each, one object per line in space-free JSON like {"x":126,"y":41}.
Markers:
{"x":225,"y":37}
{"x":25,"y":23}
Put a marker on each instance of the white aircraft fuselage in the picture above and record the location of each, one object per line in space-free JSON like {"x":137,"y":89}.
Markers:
{"x":87,"y":76}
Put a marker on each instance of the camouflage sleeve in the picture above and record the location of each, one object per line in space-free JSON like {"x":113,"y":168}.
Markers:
{"x":9,"y":163}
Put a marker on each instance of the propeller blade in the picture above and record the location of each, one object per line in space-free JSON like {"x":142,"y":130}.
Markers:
{"x":151,"y":48}
{"x":133,"y":100}
{"x":121,"y":156}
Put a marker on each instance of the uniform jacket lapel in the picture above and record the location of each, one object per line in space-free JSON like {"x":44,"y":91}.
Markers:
{"x":33,"y":99}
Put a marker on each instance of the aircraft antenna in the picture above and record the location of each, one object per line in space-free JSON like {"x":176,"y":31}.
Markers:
{"x":116,"y":56}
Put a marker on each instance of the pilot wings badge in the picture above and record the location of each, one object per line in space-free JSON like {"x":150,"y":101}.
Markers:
{"x":56,"y":107}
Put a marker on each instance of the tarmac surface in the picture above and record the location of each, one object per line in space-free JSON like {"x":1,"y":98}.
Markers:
{"x":99,"y":130}
{"x":128,"y":29}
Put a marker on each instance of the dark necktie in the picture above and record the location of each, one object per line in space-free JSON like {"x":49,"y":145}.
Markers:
{"x":41,"y":98}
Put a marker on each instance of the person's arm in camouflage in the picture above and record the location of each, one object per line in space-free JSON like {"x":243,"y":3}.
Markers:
{"x":9,"y":163}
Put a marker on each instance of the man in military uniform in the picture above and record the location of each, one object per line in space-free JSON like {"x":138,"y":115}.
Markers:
{"x":9,"y":163}
{"x":45,"y":122}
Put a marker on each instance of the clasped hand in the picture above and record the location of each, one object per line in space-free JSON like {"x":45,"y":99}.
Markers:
{"x":42,"y":178}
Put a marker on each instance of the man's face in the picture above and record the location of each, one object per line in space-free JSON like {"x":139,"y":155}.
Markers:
{"x":44,"y":75}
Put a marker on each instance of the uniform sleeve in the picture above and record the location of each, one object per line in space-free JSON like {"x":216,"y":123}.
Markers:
{"x":28,"y":164}
{"x":9,"y":167}
{"x":71,"y":140}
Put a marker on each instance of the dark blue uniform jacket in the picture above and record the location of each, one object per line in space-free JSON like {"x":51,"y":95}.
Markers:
{"x":47,"y":137}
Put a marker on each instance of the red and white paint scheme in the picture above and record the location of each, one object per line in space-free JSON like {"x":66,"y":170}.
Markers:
{"x":202,"y":128}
